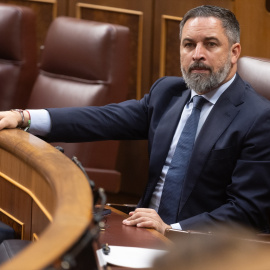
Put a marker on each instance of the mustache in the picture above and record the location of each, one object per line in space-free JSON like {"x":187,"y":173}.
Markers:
{"x":199,"y":65}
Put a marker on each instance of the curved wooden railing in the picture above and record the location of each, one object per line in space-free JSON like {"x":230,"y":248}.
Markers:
{"x":45,"y":195}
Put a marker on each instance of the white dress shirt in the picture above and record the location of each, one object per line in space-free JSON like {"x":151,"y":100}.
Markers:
{"x":40,"y":122}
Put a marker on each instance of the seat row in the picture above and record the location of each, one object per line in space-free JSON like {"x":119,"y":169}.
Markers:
{"x":82,"y":63}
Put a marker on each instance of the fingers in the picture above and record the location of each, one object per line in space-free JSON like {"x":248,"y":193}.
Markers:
{"x":145,"y":218}
{"x":140,"y":221}
{"x":145,"y":210}
{"x":139,"y":213}
{"x":9,"y":119}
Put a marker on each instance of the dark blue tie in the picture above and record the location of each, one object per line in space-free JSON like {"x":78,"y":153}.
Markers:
{"x":170,"y":198}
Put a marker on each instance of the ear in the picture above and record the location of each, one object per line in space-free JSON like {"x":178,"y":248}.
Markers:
{"x":235,"y":52}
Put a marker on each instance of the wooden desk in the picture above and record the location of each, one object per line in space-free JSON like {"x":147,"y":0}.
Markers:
{"x":117,"y":234}
{"x":44,"y":195}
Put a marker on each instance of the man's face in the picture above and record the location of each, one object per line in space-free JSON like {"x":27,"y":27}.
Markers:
{"x":206,"y":55}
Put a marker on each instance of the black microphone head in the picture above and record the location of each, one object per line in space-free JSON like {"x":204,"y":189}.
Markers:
{"x":60,"y":148}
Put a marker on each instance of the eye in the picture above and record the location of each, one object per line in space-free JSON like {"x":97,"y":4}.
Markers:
{"x":211,"y":44}
{"x":188,"y":45}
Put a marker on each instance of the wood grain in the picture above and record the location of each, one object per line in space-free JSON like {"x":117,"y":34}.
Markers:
{"x":60,"y":194}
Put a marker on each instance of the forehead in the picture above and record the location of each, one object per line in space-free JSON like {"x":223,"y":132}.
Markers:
{"x":201,"y":27}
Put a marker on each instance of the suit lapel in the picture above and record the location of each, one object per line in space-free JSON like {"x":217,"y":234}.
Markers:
{"x":163,"y":138}
{"x":226,"y":109}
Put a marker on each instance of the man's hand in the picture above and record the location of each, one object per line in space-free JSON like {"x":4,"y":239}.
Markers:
{"x":146,"y":218}
{"x":11,"y":119}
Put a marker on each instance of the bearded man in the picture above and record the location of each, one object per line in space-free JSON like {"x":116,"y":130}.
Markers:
{"x":208,"y":134}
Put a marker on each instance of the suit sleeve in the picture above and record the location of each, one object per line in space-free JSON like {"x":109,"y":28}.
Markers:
{"x":126,"y":120}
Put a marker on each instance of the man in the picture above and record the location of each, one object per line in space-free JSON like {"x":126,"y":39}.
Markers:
{"x":226,"y":179}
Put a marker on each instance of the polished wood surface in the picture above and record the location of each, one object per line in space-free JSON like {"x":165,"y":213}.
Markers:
{"x":254,"y":19}
{"x":117,"y":234}
{"x":47,"y":193}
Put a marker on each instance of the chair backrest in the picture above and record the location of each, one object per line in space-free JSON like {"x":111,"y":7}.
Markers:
{"x":17,"y":55}
{"x":85,"y":63}
{"x":256,"y":71}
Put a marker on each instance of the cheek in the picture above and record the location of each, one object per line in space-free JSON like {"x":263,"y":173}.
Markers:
{"x":220,"y":63}
{"x":184,"y":65}
{"x":218,"y":59}
{"x":184,"y":59}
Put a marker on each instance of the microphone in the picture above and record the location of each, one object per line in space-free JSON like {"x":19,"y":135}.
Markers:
{"x":60,"y":148}
{"x":99,"y":193}
{"x":82,"y":251}
{"x":79,"y":164}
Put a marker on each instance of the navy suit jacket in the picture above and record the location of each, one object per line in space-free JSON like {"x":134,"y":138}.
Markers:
{"x":228,"y":178}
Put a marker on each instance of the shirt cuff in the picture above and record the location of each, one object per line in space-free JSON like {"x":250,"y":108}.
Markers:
{"x":176,"y":226}
{"x":40,"y":122}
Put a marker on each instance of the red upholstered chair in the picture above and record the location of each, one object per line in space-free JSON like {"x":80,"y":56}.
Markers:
{"x":17,"y":55}
{"x":85,"y":63}
{"x":256,"y":71}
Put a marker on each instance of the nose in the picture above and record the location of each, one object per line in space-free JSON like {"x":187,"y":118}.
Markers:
{"x":199,"y":53}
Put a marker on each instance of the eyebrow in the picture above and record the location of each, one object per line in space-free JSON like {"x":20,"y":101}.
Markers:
{"x":212,"y":38}
{"x":187,"y":39}
{"x":206,"y":39}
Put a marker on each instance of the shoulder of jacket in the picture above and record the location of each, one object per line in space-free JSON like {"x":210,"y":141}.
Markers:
{"x":170,"y":83}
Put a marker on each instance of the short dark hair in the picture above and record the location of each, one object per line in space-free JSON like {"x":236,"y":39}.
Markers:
{"x":228,"y":19}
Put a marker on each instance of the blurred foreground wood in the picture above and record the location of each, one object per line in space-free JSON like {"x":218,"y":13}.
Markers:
{"x":44,"y":196}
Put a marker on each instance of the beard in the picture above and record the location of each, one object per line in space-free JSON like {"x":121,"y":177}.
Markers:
{"x":203,"y":83}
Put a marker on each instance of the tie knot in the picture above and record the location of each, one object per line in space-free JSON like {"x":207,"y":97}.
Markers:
{"x":198,"y":102}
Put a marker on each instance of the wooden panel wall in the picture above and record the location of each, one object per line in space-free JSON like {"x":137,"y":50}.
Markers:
{"x":254,"y":19}
{"x":168,"y":15}
{"x":133,"y":19}
{"x":135,"y":14}
{"x":154,"y":48}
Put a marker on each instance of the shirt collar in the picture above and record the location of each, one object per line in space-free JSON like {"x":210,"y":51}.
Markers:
{"x":214,"y":95}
